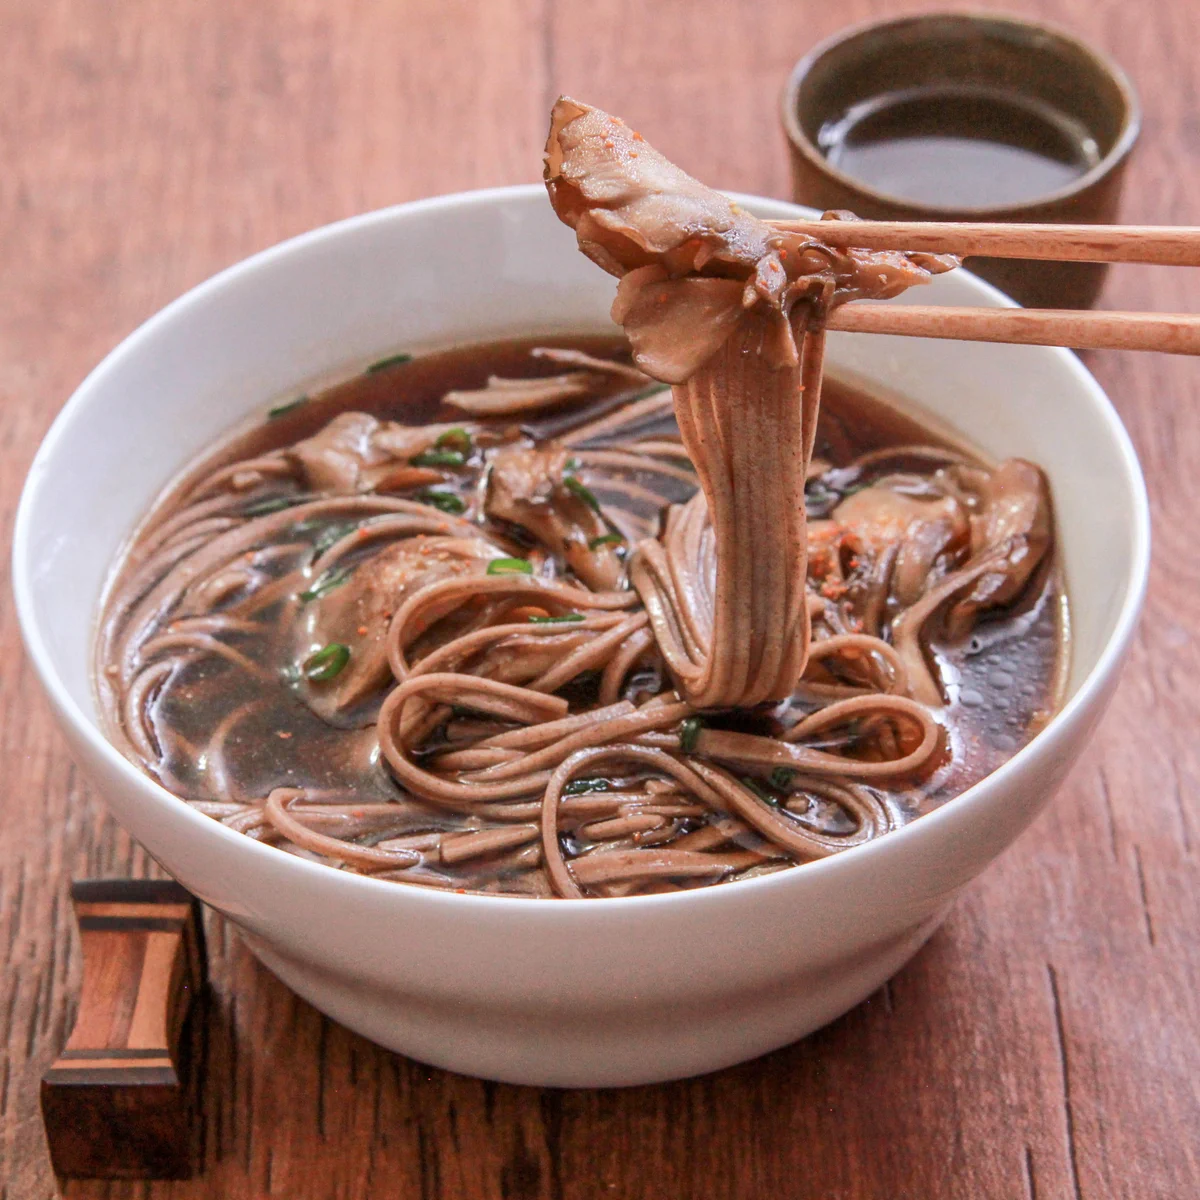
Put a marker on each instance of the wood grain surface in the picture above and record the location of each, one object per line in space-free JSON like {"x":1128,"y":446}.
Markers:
{"x":1044,"y":1044}
{"x":120,"y":1101}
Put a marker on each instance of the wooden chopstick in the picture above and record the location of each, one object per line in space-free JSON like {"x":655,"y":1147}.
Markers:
{"x":1172,"y":333}
{"x":1173,"y":246}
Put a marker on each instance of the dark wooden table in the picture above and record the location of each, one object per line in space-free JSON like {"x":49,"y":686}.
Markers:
{"x":1045,"y":1043}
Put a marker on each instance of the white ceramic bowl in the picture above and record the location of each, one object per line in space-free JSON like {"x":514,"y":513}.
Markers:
{"x":547,"y":992}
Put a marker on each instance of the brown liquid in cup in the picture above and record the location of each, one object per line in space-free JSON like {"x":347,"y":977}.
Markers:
{"x":960,"y":146}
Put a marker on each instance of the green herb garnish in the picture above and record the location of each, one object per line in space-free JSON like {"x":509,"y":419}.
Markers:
{"x":393,"y":360}
{"x":510,"y":566}
{"x":819,"y":497}
{"x":689,"y":734}
{"x":260,"y":508}
{"x":606,"y":539}
{"x":760,"y":791}
{"x":448,"y":502}
{"x":326,"y":582}
{"x":556,"y":620}
{"x":585,"y":784}
{"x":281,"y":409}
{"x":781,"y":778}
{"x":576,"y":488}
{"x":647,"y":392}
{"x":455,"y":439}
{"x":330,"y":536}
{"x":327,"y":663}
{"x":439,"y":458}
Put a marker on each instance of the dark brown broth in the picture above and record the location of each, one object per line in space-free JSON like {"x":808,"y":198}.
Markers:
{"x":1004,"y":680}
{"x":851,"y":422}
{"x":955,"y":146}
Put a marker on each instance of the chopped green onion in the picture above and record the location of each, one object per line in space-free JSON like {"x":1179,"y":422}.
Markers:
{"x":647,"y":392}
{"x":782,"y":777}
{"x":572,"y":464}
{"x":585,"y":784}
{"x":326,"y":583}
{"x":606,"y":539}
{"x":438,"y":458}
{"x":689,"y":734}
{"x":448,"y":502}
{"x":510,"y":566}
{"x":760,"y":791}
{"x":281,"y":409}
{"x":330,"y":536}
{"x":573,"y":485}
{"x":327,"y":663}
{"x":393,"y":360}
{"x":454,"y":439}
{"x":272,"y":505}
{"x":556,"y":620}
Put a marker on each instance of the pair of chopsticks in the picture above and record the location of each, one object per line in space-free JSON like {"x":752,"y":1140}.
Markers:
{"x":1173,"y":333}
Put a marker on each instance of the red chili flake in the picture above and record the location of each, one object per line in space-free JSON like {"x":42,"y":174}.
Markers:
{"x":363,"y":631}
{"x":633,"y":154}
{"x":637,"y":137}
{"x":283,"y":733}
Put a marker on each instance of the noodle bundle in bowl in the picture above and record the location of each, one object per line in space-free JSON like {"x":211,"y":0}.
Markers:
{"x":575,"y":646}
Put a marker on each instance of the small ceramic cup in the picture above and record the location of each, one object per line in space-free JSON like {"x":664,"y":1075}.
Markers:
{"x":1030,"y":61}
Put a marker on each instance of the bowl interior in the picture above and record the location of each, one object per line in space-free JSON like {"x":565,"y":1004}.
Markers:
{"x":468,"y":268}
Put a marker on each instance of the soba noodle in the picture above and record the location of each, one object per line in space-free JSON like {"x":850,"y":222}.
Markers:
{"x":550,"y":659}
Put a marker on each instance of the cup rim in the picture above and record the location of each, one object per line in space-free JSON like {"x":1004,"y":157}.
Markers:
{"x":83,"y":726}
{"x":801,"y":143}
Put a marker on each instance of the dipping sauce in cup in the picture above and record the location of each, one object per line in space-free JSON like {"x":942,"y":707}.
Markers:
{"x":953,"y":144}
{"x":966,"y":117}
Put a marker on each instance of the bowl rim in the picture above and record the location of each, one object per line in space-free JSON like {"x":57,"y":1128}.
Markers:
{"x":1090,"y":689}
{"x":801,"y":143}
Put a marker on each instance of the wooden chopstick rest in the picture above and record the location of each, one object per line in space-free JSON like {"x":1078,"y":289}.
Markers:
{"x":121,"y":1101}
